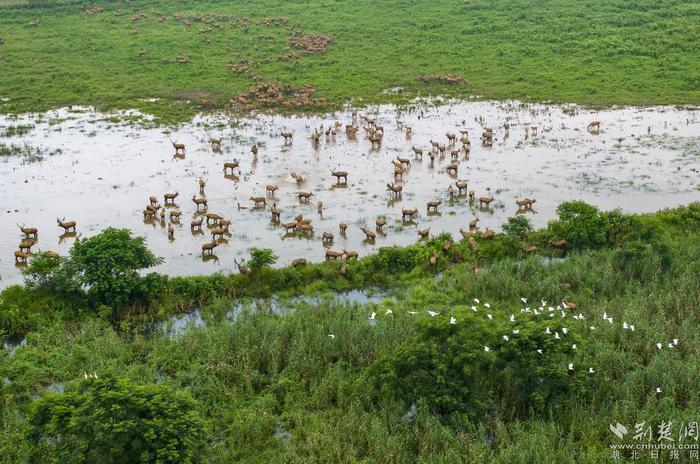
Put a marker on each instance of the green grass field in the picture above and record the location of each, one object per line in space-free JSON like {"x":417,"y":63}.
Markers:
{"x":600,"y":53}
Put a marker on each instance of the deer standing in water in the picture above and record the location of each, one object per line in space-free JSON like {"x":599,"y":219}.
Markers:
{"x":179,"y":148}
{"x":68,"y":226}
{"x":28,"y":231}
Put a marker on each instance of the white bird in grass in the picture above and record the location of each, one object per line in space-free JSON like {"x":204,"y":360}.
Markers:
{"x":556,"y":335}
{"x":564,"y":330}
{"x":609,"y":319}
{"x":571,"y":366}
{"x":476,"y":300}
{"x":512,"y":318}
{"x":590,"y":370}
{"x":433,"y":313}
{"x":658,"y":390}
{"x":474,"y":308}
{"x":487,"y":305}
{"x":671,"y":345}
{"x":373,"y":317}
{"x":574,"y":347}
{"x":389,"y":311}
{"x":505,"y":337}
{"x":658,"y":345}
{"x":490,"y":316}
{"x":547,"y":331}
{"x":524,"y":300}
{"x":675,"y":341}
{"x":592,"y":327}
{"x":539,"y":351}
{"x":453,"y":320}
{"x":331,"y":336}
{"x":516,"y":331}
{"x":486,"y":348}
{"x":413,"y":312}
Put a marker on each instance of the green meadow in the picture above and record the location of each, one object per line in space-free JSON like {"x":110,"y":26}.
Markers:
{"x":115,"y":54}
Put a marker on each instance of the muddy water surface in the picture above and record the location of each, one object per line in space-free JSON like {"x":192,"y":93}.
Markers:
{"x":104,"y":168}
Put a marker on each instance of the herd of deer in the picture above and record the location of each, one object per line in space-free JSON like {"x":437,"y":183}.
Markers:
{"x":219,"y":226}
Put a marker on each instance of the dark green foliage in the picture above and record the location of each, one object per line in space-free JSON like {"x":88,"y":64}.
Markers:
{"x":113,"y":421}
{"x":447,"y":366}
{"x":108,"y":264}
{"x":518,"y":226}
{"x":261,"y":257}
{"x":581,"y":224}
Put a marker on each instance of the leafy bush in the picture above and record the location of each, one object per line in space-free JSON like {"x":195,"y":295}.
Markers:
{"x":517,"y":226}
{"x":261,"y":257}
{"x":448,"y":367}
{"x":114,"y":421}
{"x":107,"y":266}
{"x":581,"y":224}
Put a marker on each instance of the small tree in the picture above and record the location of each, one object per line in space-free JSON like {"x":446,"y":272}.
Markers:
{"x":517,"y":226}
{"x":108,"y":264}
{"x":581,"y":224}
{"x":261,"y":257}
{"x":111,"y":421}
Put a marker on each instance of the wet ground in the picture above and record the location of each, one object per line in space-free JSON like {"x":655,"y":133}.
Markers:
{"x":100,"y":169}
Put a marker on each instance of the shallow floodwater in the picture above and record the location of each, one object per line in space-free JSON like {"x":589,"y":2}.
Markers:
{"x":643,"y":159}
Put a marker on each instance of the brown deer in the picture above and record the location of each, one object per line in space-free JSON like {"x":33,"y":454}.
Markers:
{"x":451,"y":137}
{"x":485,"y":201}
{"x":473,"y":245}
{"x":305,"y":228}
{"x":465,"y":233}
{"x":219,"y":231}
{"x":215,"y":143}
{"x":488,"y":233}
{"x":297,"y":177}
{"x":202,"y":184}
{"x":230,"y":166}
{"x":340,"y":175}
{"x":461,"y":186}
{"x":418,"y":152}
{"x":242,"y":268}
{"x":529,"y":249}
{"x":343,"y":228}
{"x":350,"y":254}
{"x":208,"y":248}
{"x":21,"y":257}
{"x":175,"y":216}
{"x":379,"y":224}
{"x":452,"y":168}
{"x":289,"y":227}
{"x":408,"y":213}
{"x":27,"y":244}
{"x":369,"y":234}
{"x":376,"y":138}
{"x":270,"y":189}
{"x":68,"y":226}
{"x":153,"y":200}
{"x":169,"y":198}
{"x":179,"y":148}
{"x":433,"y":205}
{"x":561,"y":244}
{"x":299,"y":262}
{"x":330,"y":254}
{"x":525,"y":203}
{"x":434,"y":144}
{"x":254,"y":150}
{"x":149,"y":213}
{"x":162,"y":215}
{"x":288,"y":137}
{"x":351,"y":130}
{"x":258,"y":202}
{"x":399,"y":172}
{"x":28,"y":231}
{"x":304,"y":197}
{"x":276,"y":212}
{"x":473,"y":223}
{"x":213,"y":217}
{"x":423,"y":233}
{"x":327,"y":237}
{"x":200,"y":202}
{"x":404,"y":161}
{"x":593,"y":126}
{"x":472,"y":195}
{"x":196,"y":224}
{"x":171,"y":232}
{"x":395,"y":189}
{"x":446,"y":246}
{"x":454,"y":154}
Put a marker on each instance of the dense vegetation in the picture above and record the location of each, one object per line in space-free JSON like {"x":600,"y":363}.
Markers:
{"x":174,"y":58}
{"x":319,"y":380}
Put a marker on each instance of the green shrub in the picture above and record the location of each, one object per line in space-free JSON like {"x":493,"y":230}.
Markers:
{"x":113,"y":421}
{"x":518,"y":226}
{"x":447,"y":366}
{"x":261,"y":257}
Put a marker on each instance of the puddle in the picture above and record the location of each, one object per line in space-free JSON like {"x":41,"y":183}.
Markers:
{"x":285,"y":436}
{"x":56,"y":387}
{"x":104,"y":169}
{"x":12,"y":344}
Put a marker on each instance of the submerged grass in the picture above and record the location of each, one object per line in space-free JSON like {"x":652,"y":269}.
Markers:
{"x":125,"y":55}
